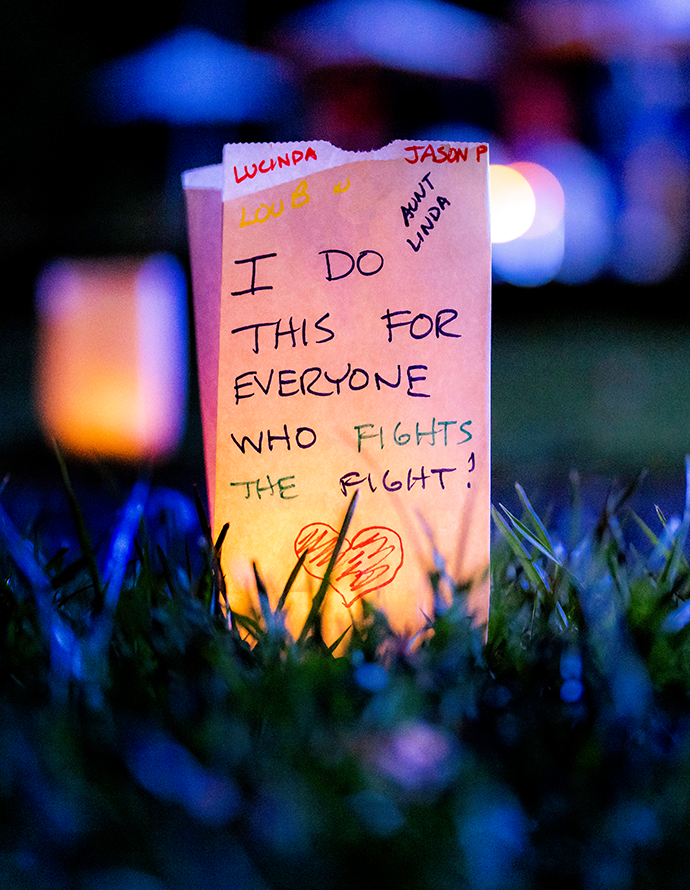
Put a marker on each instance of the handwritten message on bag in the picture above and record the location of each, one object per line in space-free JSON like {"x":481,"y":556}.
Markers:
{"x":353,"y":326}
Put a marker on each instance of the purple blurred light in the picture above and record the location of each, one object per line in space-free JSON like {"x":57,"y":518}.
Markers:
{"x":648,"y":247}
{"x":589,"y":207}
{"x":423,"y":36}
{"x":607,"y":29}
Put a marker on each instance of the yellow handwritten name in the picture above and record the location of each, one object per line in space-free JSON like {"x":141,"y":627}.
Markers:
{"x":300,"y":197}
{"x":258,"y":218}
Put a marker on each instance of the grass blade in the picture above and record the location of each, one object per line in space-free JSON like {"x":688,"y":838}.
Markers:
{"x":220,"y":599}
{"x":521,"y":528}
{"x":320,"y":595}
{"x":535,"y":577}
{"x":219,"y":593}
{"x":670,"y":572}
{"x":82,"y":533}
{"x":290,"y":581}
{"x":535,"y":521}
{"x":263,"y":599}
{"x":334,"y":646}
{"x":249,"y":624}
{"x":122,"y":543}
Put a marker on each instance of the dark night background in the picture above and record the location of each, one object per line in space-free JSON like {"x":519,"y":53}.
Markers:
{"x":593,"y":376}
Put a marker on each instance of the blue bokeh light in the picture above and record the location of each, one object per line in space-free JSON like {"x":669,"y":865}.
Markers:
{"x":193,"y":77}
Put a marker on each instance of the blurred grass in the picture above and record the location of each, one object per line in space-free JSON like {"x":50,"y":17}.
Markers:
{"x":148,"y":744}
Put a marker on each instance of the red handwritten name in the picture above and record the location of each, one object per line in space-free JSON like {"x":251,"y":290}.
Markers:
{"x":266,"y":165}
{"x":441,"y":154}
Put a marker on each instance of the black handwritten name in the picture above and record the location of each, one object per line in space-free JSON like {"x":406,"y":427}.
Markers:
{"x":408,"y":210}
{"x":433,"y":215}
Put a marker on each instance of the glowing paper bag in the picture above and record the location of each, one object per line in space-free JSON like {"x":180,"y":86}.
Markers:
{"x":342,"y":305}
{"x":111,"y":370}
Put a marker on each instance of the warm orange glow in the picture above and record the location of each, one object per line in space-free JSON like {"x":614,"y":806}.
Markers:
{"x":549,"y":198}
{"x":512,"y":203}
{"x":537,"y":255}
{"x":110,"y":377}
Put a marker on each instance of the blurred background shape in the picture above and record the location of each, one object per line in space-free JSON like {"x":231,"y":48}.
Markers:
{"x":421,"y":36}
{"x":191,"y":77}
{"x":111,"y":368}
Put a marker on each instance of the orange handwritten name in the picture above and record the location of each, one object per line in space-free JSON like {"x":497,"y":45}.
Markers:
{"x":265,"y":165}
{"x":441,"y":154}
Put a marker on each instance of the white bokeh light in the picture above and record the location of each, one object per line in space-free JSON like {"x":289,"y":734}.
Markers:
{"x":512,"y":203}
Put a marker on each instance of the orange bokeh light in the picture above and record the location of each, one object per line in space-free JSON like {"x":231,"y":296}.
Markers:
{"x":512,"y":203}
{"x":111,"y":360}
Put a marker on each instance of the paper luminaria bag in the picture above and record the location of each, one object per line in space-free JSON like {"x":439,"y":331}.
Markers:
{"x":342,"y":310}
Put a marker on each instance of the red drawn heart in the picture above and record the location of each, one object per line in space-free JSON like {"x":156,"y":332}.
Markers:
{"x":367,"y":562}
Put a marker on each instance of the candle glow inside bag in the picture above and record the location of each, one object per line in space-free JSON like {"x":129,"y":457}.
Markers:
{"x":344,"y":300}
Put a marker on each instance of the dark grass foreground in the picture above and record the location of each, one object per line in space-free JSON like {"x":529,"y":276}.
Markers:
{"x":145,"y":744}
